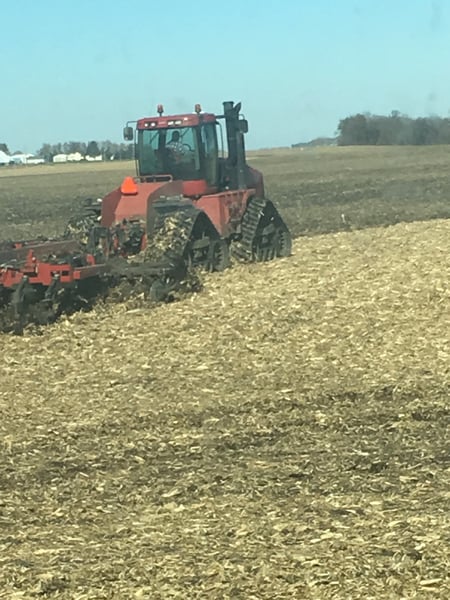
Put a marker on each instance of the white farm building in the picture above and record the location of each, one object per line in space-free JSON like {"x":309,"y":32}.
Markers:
{"x":5,"y":159}
{"x":26,"y":159}
{"x":72,"y":157}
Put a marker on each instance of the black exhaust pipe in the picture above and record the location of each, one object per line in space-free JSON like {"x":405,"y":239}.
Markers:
{"x":236,"y":147}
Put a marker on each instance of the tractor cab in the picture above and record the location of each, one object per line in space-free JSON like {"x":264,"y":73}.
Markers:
{"x":181,"y":147}
{"x":186,"y":148}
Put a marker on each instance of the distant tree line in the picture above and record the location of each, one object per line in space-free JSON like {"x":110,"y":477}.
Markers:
{"x":106,"y":148}
{"x":395,"y":129}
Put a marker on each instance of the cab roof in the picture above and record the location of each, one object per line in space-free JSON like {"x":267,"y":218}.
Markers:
{"x":175,"y":121}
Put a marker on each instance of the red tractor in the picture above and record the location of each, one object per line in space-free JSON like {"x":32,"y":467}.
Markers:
{"x":189,"y":205}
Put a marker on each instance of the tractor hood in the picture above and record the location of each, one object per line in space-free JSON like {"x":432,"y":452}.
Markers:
{"x":131,"y":200}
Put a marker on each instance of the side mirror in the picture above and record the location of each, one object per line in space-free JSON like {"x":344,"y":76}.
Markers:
{"x":243,"y":125}
{"x":128,"y":134}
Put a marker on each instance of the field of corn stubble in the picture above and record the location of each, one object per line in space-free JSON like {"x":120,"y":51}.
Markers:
{"x":282,"y":434}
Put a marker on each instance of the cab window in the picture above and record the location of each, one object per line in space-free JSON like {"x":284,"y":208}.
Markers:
{"x":208,"y":144}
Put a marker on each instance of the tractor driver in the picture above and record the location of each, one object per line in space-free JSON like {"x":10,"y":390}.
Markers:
{"x":175,"y":145}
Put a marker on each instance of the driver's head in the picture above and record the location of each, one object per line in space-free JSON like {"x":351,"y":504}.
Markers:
{"x":175,"y":136}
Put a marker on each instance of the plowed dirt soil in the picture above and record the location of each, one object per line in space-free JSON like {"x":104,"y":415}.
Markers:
{"x":281,"y":434}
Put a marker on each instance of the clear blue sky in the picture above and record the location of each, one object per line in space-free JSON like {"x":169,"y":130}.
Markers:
{"x":79,"y":70}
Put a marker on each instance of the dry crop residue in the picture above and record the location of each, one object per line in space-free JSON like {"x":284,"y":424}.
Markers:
{"x":282,"y":434}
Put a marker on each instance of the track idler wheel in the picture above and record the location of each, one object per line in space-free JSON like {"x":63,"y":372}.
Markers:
{"x":264,"y":236}
{"x":274,"y":241}
{"x":283,"y":245}
{"x":218,"y":255}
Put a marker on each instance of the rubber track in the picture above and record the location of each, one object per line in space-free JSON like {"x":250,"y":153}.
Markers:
{"x":243,"y":250}
{"x":172,"y":235}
